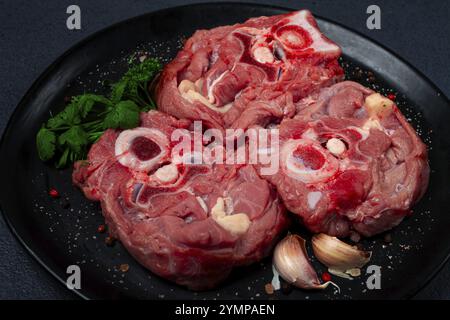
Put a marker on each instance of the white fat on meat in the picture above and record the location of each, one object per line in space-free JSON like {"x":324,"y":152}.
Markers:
{"x":378,"y":106}
{"x":211,"y":85}
{"x":189,"y":92}
{"x":259,"y":33}
{"x":202,"y":203}
{"x":296,"y":170}
{"x":129,"y":159}
{"x":185,"y":86}
{"x":372,"y":124}
{"x":319,"y":43}
{"x":236,"y":224}
{"x":313,"y":198}
{"x":363,"y":132}
{"x":310,"y":134}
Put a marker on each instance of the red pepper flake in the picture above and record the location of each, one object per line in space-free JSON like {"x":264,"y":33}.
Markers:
{"x":326,"y":277}
{"x":124,"y":267}
{"x":101,"y":228}
{"x":53,"y":193}
{"x":110,"y":241}
{"x":391,"y":96}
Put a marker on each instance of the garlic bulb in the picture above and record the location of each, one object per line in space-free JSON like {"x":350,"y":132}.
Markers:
{"x":341,"y":258}
{"x":292,"y":263}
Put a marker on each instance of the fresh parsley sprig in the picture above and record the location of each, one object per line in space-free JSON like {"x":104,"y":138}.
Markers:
{"x":66,"y":137}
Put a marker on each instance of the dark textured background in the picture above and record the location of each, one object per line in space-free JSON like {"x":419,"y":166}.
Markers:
{"x":33,"y":34}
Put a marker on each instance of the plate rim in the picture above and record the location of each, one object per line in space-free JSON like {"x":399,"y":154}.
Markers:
{"x":21,"y":105}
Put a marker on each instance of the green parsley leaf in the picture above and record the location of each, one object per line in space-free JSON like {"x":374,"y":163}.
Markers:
{"x":117,"y":91}
{"x":63,"y":160}
{"x":134,"y":84}
{"x":45,"y":142}
{"x":69,"y":116}
{"x":86,"y":102}
{"x":125,"y":115}
{"x":76,"y":139}
{"x":69,"y":133}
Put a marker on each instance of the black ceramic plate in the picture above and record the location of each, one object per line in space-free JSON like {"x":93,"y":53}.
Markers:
{"x":59,"y":236}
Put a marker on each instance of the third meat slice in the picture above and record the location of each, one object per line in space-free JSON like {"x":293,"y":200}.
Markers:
{"x":349,"y":161}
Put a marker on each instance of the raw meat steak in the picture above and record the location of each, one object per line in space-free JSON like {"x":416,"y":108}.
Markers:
{"x":350,"y":160}
{"x":189,"y":223}
{"x":251,"y":73}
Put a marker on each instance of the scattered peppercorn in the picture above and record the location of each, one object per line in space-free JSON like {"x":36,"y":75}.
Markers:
{"x":370,"y":77}
{"x":65,"y":204}
{"x":359,"y":74}
{"x":286,"y":288}
{"x":110,"y":241}
{"x":124,"y":267}
{"x":388,"y":238}
{"x":53,"y":193}
{"x":326,"y":277}
{"x":101,"y":228}
{"x":269,"y":288}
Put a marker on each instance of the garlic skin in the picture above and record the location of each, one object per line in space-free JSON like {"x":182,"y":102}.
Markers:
{"x":340,"y":257}
{"x":292,"y":263}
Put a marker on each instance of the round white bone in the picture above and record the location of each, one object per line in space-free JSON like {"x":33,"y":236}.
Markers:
{"x":303,"y":19}
{"x":336,"y":146}
{"x":128,"y":159}
{"x":307,"y":175}
{"x":263,"y":54}
{"x":167,"y":173}
{"x":291,"y":37}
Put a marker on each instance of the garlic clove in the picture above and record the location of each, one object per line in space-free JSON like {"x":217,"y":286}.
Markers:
{"x":354,"y":272}
{"x":292,"y":263}
{"x":341,"y":258}
{"x":340,"y":274}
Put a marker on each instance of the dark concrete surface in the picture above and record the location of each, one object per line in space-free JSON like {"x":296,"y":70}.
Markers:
{"x":34,"y":33}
